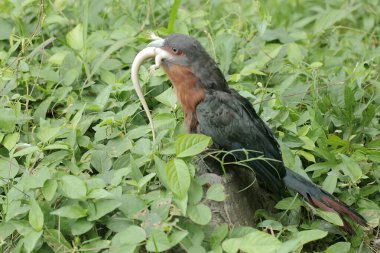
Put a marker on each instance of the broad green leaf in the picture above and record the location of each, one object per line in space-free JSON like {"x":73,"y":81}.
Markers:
{"x":7,"y":120}
{"x":197,"y":249}
{"x":143,"y":181}
{"x":299,"y":239}
{"x":57,"y":58}
{"x":75,"y":37}
{"x":158,"y":242}
{"x":47,"y":133}
{"x":216,"y":193}
{"x":103,"y":97}
{"x":339,"y":247}
{"x":6,"y":229}
{"x":350,"y":168}
{"x":177,"y":236}
{"x":41,"y":110}
{"x":30,"y":240}
{"x":254,"y":242}
{"x":218,"y":235}
{"x":49,"y":189}
{"x":329,"y":18}
{"x":168,"y":98}
{"x":178,"y":177}
{"x":76,"y":119}
{"x":10,"y":140}
{"x":73,"y":211}
{"x":8,"y":168}
{"x":101,"y":161}
{"x":191,"y":144}
{"x":131,"y":235}
{"x":308,"y":156}
{"x":26,"y":151}
{"x":295,"y":54}
{"x":81,"y":226}
{"x":57,"y":241}
{"x":331,"y":217}
{"x":195,"y":192}
{"x":200,"y":214}
{"x":96,"y":246}
{"x":289,"y":203}
{"x":101,"y":208}
{"x":330,"y":182}
{"x":73,"y":187}
{"x":36,"y":217}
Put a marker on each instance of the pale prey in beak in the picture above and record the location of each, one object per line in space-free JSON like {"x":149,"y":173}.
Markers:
{"x":153,"y":49}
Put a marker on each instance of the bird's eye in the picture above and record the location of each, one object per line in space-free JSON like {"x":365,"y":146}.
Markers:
{"x":176,"y":51}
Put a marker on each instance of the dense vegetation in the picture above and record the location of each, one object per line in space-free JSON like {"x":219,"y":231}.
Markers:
{"x":79,"y":172}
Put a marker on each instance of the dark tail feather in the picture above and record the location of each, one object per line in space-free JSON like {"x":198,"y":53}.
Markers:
{"x":322,"y":199}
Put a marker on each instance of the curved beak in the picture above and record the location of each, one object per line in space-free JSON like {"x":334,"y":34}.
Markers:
{"x":157,"y":43}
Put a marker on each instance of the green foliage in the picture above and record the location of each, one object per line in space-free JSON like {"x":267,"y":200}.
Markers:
{"x":79,"y":171}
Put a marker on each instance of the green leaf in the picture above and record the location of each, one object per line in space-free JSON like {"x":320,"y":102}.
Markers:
{"x":101,"y":208}
{"x":73,"y":211}
{"x":8,"y":168}
{"x":254,"y":242}
{"x":30,"y":240}
{"x":10,"y":140}
{"x":73,"y":187}
{"x":299,"y":239}
{"x":289,"y":203}
{"x":350,"y":168}
{"x":218,"y":235}
{"x":57,"y":241}
{"x":131,"y":235}
{"x":331,"y":217}
{"x":41,"y":110}
{"x":329,"y":18}
{"x":36,"y":217}
{"x":75,"y":38}
{"x":168,"y":98}
{"x":81,"y":226}
{"x":7,"y":120}
{"x":143,"y":181}
{"x":49,"y":189}
{"x":47,"y":133}
{"x":102,"y":99}
{"x":191,"y":144}
{"x":195,"y":192}
{"x":216,"y":193}
{"x":101,"y":161}
{"x":26,"y":151}
{"x":178,"y":177}
{"x":158,"y":242}
{"x":200,"y":214}
{"x":295,"y":54}
{"x":339,"y":247}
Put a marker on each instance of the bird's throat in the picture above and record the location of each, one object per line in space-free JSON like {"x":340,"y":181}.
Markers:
{"x":188,"y":90}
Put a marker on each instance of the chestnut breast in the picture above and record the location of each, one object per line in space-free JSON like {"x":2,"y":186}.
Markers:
{"x":188,"y":92}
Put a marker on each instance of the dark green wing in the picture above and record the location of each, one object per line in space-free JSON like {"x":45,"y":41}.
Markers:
{"x":230,"y":120}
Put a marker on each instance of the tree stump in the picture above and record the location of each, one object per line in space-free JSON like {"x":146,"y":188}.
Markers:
{"x":244,"y":196}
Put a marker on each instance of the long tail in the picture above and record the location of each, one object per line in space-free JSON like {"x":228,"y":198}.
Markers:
{"x":317,"y":197}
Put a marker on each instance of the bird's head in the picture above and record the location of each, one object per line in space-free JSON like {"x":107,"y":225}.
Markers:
{"x":183,"y":51}
{"x":179,"y":49}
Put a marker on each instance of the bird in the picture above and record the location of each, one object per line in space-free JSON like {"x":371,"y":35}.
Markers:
{"x":214,"y":109}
